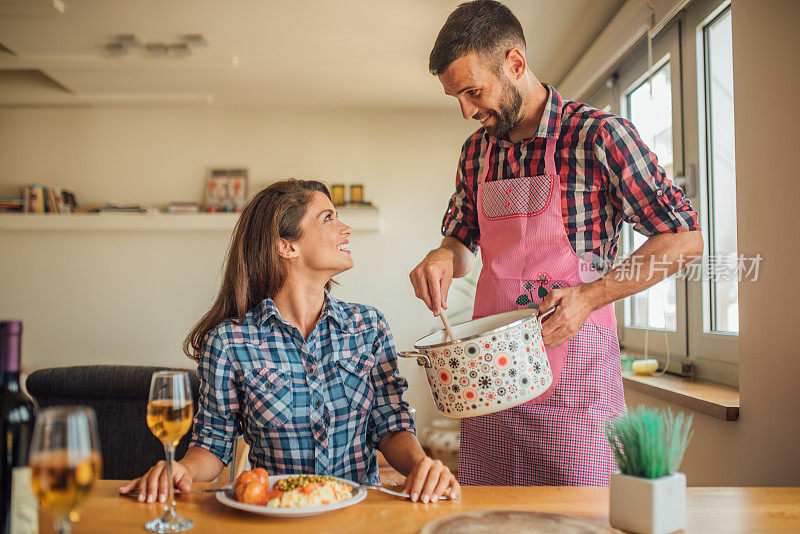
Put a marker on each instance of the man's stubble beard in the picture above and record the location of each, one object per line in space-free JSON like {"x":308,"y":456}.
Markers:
{"x":510,"y":104}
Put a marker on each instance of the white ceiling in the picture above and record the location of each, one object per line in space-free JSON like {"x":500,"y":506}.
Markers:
{"x":349,"y":53}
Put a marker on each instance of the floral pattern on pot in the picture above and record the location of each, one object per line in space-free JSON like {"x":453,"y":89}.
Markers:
{"x":502,"y":361}
{"x":491,"y":373}
{"x":471,"y":349}
{"x":445,"y":378}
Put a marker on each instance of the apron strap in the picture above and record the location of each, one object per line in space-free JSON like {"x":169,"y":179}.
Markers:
{"x":485,"y":169}
{"x":550,"y":156}
{"x":513,"y":161}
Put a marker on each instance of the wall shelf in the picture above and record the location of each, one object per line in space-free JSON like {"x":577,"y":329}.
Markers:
{"x":361,"y":220}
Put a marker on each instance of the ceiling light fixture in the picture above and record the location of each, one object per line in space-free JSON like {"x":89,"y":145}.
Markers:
{"x":195,"y":40}
{"x":128,"y":40}
{"x":179,"y":50}
{"x":124,"y":42}
{"x":116,"y":49}
{"x":156,"y":49}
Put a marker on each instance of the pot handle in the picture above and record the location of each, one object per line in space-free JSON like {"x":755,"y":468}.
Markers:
{"x":423,"y":360}
{"x":547,"y":314}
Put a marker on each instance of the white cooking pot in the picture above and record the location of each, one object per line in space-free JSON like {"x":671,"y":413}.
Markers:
{"x":495,"y":363}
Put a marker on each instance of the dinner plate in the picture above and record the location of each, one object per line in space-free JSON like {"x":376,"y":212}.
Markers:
{"x":226,"y":497}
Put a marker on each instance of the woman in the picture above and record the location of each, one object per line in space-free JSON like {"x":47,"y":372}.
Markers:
{"x":310,"y":380}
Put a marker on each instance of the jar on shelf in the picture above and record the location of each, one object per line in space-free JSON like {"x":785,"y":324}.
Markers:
{"x":337,"y":194}
{"x":357,"y":193}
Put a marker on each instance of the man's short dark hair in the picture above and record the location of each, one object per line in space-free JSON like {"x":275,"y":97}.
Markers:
{"x":485,"y":27}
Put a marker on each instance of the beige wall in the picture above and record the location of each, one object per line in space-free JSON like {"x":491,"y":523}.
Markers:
{"x":762,"y":447}
{"x":131,"y":297}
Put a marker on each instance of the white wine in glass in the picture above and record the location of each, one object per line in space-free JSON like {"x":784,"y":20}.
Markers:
{"x":167,"y":421}
{"x":169,"y":416}
{"x":65,"y":461}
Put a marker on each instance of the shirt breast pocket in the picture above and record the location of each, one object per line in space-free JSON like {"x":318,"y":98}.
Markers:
{"x":268,"y":397}
{"x":355,"y":374}
{"x":517,"y":197}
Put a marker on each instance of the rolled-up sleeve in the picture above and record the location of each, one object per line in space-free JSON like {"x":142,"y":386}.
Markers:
{"x":217,"y":415}
{"x":390,"y":412}
{"x":461,"y":218}
{"x":638,"y":187}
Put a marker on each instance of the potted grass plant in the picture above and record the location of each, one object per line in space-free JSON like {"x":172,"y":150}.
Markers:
{"x":648,"y":495}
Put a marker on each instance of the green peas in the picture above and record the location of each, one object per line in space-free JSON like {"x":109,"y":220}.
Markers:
{"x":292,"y":483}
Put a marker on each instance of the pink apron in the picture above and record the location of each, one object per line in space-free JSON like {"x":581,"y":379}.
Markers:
{"x":558,"y":438}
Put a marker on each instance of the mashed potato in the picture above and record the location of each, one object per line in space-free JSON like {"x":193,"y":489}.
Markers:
{"x":305,"y":491}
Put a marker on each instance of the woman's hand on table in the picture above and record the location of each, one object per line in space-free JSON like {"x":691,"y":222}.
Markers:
{"x":153,"y":485}
{"x":430,"y":479}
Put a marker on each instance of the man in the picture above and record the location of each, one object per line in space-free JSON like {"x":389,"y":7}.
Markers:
{"x":542,"y":184}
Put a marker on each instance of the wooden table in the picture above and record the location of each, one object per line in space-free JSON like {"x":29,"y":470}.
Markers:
{"x":709,"y":510}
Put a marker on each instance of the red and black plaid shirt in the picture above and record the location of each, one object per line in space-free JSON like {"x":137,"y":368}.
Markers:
{"x":608,"y":175}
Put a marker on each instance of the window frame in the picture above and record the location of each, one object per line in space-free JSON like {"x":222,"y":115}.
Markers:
{"x":632,"y":74}
{"x":714,"y":354}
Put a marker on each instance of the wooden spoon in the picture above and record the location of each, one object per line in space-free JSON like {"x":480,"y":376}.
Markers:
{"x":446,"y":323}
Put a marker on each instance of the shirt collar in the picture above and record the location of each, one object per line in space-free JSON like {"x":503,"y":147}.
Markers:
{"x":334,"y":310}
{"x":331,"y":308}
{"x":264,"y":310}
{"x":548,"y":125}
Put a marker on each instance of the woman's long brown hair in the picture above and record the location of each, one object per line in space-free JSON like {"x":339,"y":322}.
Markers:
{"x":253,"y":269}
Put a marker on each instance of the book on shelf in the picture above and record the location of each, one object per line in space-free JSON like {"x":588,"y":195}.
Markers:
{"x":11,"y":203}
{"x":49,"y":205}
{"x":37,"y":198}
{"x":183,"y":207}
{"x":68,"y":198}
{"x":113,"y":207}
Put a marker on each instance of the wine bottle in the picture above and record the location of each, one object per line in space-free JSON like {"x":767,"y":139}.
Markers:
{"x":18,"y":509}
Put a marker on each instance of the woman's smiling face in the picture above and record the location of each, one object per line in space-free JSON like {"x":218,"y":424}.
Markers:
{"x":325,"y":246}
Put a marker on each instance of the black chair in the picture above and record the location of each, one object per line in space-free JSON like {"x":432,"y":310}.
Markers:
{"x":118,"y":394}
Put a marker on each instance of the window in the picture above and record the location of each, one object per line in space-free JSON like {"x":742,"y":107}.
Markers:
{"x":682,"y":107}
{"x":649,"y":108}
{"x":653,"y":320}
{"x":722,"y":299}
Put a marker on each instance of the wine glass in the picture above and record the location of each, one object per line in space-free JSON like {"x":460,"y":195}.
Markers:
{"x":65,"y":461}
{"x":169,"y":416}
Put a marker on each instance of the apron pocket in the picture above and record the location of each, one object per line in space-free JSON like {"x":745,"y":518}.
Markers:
{"x":517,"y":197}
{"x":357,"y":382}
{"x":268,"y":397}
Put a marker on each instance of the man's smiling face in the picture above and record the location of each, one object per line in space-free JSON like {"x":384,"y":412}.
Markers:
{"x":492,"y":101}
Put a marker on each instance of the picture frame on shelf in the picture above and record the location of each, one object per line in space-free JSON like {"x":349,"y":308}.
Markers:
{"x":226,"y":190}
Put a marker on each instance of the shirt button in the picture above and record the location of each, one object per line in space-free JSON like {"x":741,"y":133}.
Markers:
{"x":659,"y":193}
{"x":317,"y":403}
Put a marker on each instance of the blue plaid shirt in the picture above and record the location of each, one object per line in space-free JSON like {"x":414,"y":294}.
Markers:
{"x":304,"y":406}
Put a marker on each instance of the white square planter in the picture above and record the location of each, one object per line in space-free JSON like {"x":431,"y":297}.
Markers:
{"x":648,"y":505}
